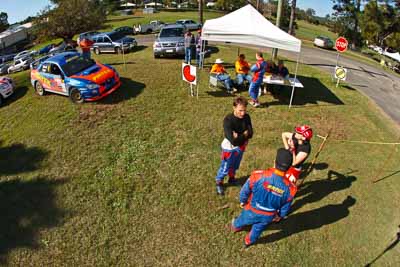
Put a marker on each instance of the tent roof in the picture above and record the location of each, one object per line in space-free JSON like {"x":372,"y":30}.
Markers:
{"x":247,"y":26}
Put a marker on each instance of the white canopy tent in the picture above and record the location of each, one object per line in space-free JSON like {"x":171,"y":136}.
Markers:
{"x":247,"y":26}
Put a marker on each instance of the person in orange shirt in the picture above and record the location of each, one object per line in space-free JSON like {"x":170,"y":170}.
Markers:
{"x":222,"y":75}
{"x":242,"y":68}
{"x":85,"y":45}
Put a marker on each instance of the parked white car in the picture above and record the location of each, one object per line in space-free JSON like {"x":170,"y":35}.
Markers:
{"x":24,"y":54}
{"x":323,"y":42}
{"x":20,"y":64}
{"x":153,"y":26}
{"x":6,"y":88}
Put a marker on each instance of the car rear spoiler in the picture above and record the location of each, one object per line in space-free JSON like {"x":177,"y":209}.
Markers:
{"x":36,"y":63}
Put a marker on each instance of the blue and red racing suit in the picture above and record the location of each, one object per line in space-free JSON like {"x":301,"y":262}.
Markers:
{"x":259,"y":70}
{"x":266,"y":193}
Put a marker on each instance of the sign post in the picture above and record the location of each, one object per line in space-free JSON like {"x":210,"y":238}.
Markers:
{"x":341,"y":47}
{"x":189,"y":75}
{"x":340,"y":74}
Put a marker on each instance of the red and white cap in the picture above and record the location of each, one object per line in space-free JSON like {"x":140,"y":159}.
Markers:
{"x":305,"y":131}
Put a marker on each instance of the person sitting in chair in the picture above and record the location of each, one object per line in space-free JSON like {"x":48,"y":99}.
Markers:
{"x":281,"y":70}
{"x":222,"y":75}
{"x":242,"y":68}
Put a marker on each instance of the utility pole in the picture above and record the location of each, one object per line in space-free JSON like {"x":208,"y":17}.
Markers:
{"x":292,"y":17}
{"x":278,"y":24}
{"x":201,"y":12}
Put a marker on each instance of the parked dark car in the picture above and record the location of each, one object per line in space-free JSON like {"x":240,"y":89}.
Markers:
{"x":86,"y":35}
{"x":126,"y":30}
{"x":7,"y":58}
{"x":112,"y":42}
{"x":46,"y":49}
{"x":4,"y":68}
{"x":63,"y":47}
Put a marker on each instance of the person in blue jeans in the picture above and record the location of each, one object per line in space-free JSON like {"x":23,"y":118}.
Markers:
{"x":198,"y":48}
{"x":258,"y":69}
{"x":237,"y":132}
{"x":221,"y":74}
{"x":266,"y":196}
{"x":189,"y":43}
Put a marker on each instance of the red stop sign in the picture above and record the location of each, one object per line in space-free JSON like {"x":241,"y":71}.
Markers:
{"x":341,"y":44}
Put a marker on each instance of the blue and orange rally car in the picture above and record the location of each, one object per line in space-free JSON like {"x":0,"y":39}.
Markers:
{"x":72,"y":75}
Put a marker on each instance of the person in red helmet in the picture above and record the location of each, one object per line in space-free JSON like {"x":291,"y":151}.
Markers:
{"x":299,"y":144}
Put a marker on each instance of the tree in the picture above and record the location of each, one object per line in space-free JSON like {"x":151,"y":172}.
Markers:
{"x":348,"y":13}
{"x":3,"y":21}
{"x":292,"y":17}
{"x":70,"y":17}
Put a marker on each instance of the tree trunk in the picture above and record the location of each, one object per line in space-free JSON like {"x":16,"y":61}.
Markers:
{"x":356,"y":22}
{"x":292,"y":17}
{"x":201,"y":12}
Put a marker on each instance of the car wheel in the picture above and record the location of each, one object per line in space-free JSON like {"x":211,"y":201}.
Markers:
{"x":118,"y":50}
{"x":1,"y":100}
{"x":156,"y":56}
{"x":97,"y":51}
{"x":39,"y":89}
{"x":149,"y":31}
{"x":76,"y":96}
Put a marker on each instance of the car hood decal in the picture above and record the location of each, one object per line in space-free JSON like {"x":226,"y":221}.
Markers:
{"x":97,"y":74}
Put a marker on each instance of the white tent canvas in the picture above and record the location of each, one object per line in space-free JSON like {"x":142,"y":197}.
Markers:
{"x":247,"y":26}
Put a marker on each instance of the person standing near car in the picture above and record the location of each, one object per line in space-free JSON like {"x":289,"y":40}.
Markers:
{"x":85,"y":45}
{"x":237,"y":132}
{"x":189,"y":43}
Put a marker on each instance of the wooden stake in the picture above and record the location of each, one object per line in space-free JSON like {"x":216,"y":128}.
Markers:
{"x":309,"y":169}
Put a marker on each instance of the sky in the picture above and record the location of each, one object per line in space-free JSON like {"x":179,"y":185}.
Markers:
{"x":18,"y":10}
{"x":321,"y":7}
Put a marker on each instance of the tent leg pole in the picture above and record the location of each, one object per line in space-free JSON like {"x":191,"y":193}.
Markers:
{"x":202,"y":49}
{"x":294,"y":81}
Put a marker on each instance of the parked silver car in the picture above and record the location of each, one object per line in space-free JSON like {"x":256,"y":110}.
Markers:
{"x":112,"y":42}
{"x":170,"y":41}
{"x":20,"y":64}
{"x":189,"y":24}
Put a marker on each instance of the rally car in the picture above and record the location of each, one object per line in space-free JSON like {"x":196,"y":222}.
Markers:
{"x":6,"y":88}
{"x":72,"y":75}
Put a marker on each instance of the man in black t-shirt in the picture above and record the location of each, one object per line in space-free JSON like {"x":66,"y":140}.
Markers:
{"x":237,"y":131}
{"x":299,"y":144}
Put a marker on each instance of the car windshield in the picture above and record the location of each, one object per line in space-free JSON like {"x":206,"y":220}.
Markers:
{"x":114,"y":36}
{"x":77,"y":64}
{"x":172,"y":32}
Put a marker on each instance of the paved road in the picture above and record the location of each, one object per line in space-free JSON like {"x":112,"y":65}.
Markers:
{"x":382,"y":87}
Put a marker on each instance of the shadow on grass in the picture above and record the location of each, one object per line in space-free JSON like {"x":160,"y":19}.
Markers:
{"x":26,"y":207}
{"x":18,"y":93}
{"x":371,"y":73}
{"x":18,"y":158}
{"x":312,"y":93}
{"x":122,"y":63}
{"x":314,"y":191}
{"x":310,"y":220}
{"x":139,"y":48}
{"x":129,"y":89}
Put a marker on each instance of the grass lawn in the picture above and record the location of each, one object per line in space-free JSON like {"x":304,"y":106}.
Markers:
{"x":129,"y":180}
